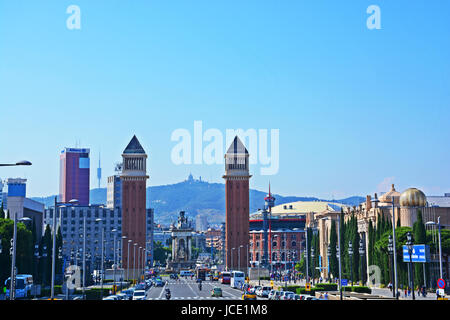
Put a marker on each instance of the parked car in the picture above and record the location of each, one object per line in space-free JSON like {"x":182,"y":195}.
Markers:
{"x":257,"y":290}
{"x":139,"y":295}
{"x":159,"y":283}
{"x":128,"y":293}
{"x":285,"y":295}
{"x":248,"y":296}
{"x":274,"y":295}
{"x":216,"y":292}
{"x":122,"y":296}
{"x":111,"y":298}
{"x":263,"y":292}
{"x":297,"y":297}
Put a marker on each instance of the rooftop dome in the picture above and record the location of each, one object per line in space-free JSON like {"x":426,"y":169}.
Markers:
{"x":413,"y":197}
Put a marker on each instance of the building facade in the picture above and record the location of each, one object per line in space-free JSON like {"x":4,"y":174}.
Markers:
{"x":74,"y":175}
{"x":237,"y":205}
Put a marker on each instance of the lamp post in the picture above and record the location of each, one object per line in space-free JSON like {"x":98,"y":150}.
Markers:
{"x":12,"y":290}
{"x":103,"y":256}
{"x":410,"y":244}
{"x":19,"y":163}
{"x":134,"y":261}
{"x":313,"y":265}
{"x":239,"y":257}
{"x":362,"y":252}
{"x":128,"y":260}
{"x":232,"y":266}
{"x":84,"y":256}
{"x":390,"y":251}
{"x":394,"y":245}
{"x":350,"y":254}
{"x":114,"y":231}
{"x":306,"y":255}
{"x":339,"y":256}
{"x":328,"y":264}
{"x":440,"y":244}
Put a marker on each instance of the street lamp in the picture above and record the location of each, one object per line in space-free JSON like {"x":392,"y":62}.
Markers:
{"x":128,"y":260}
{"x":232,"y":266}
{"x":440,"y":244}
{"x":394,"y":241}
{"x":362,"y":252}
{"x":239,"y":257}
{"x":114,"y":231}
{"x":12,"y":290}
{"x":19,"y":163}
{"x":410,"y":244}
{"x":134,"y":261}
{"x":103,"y":256}
{"x":313,"y":265}
{"x":328,"y":264}
{"x":350,"y":254}
{"x":391,"y":251}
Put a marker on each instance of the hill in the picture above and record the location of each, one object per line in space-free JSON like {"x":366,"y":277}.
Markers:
{"x":197,"y":197}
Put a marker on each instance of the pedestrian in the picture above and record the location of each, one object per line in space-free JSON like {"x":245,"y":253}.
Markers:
{"x":326,"y":296}
{"x":418,"y":291}
{"x":409,"y":291}
{"x":390,"y":286}
{"x":406,"y":292}
{"x":437,"y":294}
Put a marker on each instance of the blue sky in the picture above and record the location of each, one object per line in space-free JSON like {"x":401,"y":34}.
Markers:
{"x":357,"y":109}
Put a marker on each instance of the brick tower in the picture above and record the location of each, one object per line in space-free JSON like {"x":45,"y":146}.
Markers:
{"x":237,"y":205}
{"x":133,"y":179}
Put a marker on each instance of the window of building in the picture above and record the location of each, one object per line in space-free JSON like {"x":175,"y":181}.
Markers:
{"x":293,"y":244}
{"x":274,"y":244}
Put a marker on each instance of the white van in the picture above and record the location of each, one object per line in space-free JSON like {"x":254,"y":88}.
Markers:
{"x":186,"y":273}
{"x":237,"y":279}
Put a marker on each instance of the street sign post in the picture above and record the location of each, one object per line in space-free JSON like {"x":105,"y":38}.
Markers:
{"x":441,"y":283}
{"x":420,"y":253}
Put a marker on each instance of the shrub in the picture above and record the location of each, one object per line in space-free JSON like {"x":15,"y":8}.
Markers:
{"x":302,"y":290}
{"x":358,"y":289}
{"x":326,"y":287}
{"x":94,"y":293}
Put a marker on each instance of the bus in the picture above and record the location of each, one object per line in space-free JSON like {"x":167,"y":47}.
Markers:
{"x":237,"y":279}
{"x":186,"y":273}
{"x":225,"y":277}
{"x":202,"y":274}
{"x":24,"y":283}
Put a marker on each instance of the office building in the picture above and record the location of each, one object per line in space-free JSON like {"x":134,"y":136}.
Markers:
{"x":74,"y":175}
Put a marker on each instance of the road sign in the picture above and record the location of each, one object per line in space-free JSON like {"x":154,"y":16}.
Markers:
{"x":271,"y":283}
{"x":441,"y":283}
{"x":308,"y":287}
{"x":344,"y":282}
{"x":441,"y":292}
{"x":420,"y":253}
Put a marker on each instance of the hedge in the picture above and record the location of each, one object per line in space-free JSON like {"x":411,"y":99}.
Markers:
{"x":302,"y":290}
{"x":326,"y":287}
{"x":264,"y":278}
{"x":358,"y":289}
{"x":94,"y":293}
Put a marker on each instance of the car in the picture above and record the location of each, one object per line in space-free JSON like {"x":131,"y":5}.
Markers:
{"x":159,"y":283}
{"x":289,"y":296}
{"x":263,"y":291}
{"x":128,"y":293}
{"x":198,"y":280}
{"x":274,"y":295}
{"x":257,"y":290}
{"x":139,"y":295}
{"x":285,"y":295}
{"x":215,"y":278}
{"x":113,"y":297}
{"x":122,"y":296}
{"x":311,"y":298}
{"x":216,"y":292}
{"x":140,"y":286}
{"x":297,"y":297}
{"x":248,"y":296}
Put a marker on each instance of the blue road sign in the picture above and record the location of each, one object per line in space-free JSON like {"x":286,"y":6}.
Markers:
{"x":344,"y":282}
{"x":420,"y":253}
{"x":441,"y":283}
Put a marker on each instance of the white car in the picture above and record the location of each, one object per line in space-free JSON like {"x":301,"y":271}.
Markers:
{"x":263,"y":292}
{"x":139,"y":295}
{"x":111,"y":298}
{"x":285,"y":295}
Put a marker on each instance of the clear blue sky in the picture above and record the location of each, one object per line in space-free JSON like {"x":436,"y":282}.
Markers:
{"x":357,"y":109}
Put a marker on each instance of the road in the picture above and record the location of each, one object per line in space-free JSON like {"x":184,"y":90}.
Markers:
{"x":187,"y":289}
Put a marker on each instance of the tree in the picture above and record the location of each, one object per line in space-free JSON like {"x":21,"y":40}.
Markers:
{"x":2,"y":212}
{"x":334,"y":266}
{"x":23,"y":253}
{"x":420,"y":237}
